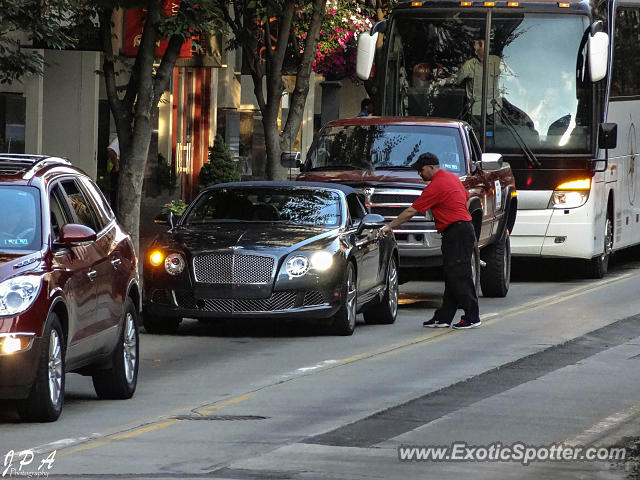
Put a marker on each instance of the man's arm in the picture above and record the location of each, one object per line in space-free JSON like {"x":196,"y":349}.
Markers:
{"x":405,"y":215}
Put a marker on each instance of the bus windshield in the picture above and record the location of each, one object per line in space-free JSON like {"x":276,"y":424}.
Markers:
{"x":537,"y":90}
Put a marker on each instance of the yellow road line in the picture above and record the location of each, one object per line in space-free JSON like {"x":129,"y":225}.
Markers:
{"x":383,"y":351}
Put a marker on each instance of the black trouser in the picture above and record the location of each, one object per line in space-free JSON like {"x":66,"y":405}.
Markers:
{"x":458,"y":242}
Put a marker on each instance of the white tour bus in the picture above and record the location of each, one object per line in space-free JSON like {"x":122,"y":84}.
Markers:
{"x":560,"y":101}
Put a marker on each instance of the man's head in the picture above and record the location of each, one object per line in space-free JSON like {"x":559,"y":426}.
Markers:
{"x":478,"y":48}
{"x":367,"y":105}
{"x":427,"y":165}
{"x":421,"y":74}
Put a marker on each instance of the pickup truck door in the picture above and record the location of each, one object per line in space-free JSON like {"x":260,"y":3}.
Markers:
{"x":481,"y":184}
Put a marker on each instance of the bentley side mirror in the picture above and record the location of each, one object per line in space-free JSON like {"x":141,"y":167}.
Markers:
{"x":291,"y":159}
{"x":165,"y":219}
{"x":371,"y":221}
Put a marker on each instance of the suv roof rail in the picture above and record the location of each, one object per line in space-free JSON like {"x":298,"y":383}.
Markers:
{"x":17,"y":164}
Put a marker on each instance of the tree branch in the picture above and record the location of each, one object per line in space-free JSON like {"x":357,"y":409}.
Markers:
{"x":301,"y":88}
{"x":120,"y":114}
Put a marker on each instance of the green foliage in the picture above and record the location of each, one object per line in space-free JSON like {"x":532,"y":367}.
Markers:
{"x":220,"y":168}
{"x":43,"y":28}
{"x":176,"y":206}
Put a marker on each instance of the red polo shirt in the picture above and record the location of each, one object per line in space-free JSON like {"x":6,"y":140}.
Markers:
{"x":447,"y":199}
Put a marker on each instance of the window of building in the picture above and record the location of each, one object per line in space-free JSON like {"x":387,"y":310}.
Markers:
{"x":12,"y":122}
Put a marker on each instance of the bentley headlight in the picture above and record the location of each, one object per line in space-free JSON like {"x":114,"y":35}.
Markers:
{"x":321,"y":261}
{"x":174,"y":264}
{"x":18,"y":294}
{"x":297,"y":266}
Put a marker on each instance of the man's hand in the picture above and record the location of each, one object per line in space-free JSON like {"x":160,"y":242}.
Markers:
{"x":386,"y":230}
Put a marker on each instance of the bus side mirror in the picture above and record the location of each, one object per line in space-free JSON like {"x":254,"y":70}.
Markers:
{"x":365,"y":54}
{"x":598,"y":55}
{"x":607,"y":139}
{"x":607,"y":136}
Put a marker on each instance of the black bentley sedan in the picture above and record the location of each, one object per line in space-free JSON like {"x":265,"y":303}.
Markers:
{"x":293,"y":250}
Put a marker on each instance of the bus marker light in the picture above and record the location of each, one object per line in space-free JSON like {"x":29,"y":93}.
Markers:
{"x":416,"y":4}
{"x":489,"y":4}
{"x":564,"y":5}
{"x":513,"y":4}
{"x":583,"y":184}
{"x":465,"y":4}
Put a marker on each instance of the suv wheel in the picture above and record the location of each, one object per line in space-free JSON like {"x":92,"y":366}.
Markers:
{"x":120,"y":380}
{"x":45,"y":401}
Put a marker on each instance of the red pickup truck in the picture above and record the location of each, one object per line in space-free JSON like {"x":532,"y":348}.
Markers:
{"x":374,"y":155}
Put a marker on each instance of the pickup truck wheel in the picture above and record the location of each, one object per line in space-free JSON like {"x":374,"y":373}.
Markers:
{"x":495,"y":277}
{"x":160,"y":324}
{"x":119,"y":381}
{"x":344,"y":321}
{"x":386,"y":311}
{"x":475,"y":269}
{"x":598,"y":266}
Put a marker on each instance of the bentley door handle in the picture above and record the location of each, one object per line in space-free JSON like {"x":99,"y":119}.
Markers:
{"x":116,"y":263}
{"x":92,"y":275}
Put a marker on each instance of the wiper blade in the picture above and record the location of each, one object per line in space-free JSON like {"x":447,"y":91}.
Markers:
{"x":528,"y":153}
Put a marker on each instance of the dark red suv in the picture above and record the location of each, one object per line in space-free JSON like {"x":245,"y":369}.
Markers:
{"x":69,"y":288}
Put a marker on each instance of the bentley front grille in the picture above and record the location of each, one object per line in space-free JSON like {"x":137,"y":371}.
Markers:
{"x":277,"y":301}
{"x":233,"y":268}
{"x":313,"y":298}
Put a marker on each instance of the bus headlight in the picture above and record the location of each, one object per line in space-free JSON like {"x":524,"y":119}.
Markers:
{"x":570,"y":194}
{"x":568,"y":199}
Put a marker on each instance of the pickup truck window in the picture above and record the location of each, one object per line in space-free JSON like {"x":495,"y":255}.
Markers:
{"x":370,"y":147}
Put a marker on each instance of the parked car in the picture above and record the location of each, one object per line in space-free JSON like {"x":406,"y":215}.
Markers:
{"x":286,"y":250}
{"x":374,"y":156}
{"x":69,"y":293}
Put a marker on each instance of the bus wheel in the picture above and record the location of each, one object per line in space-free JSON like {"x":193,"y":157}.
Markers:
{"x":599,"y":265}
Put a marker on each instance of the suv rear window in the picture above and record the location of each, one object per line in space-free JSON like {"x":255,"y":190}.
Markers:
{"x":20,"y":229}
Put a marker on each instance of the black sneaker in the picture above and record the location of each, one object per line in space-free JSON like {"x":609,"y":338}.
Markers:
{"x":464,"y":324}
{"x":434,"y":324}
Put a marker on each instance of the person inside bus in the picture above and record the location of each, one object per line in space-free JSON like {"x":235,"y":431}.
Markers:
{"x":419,"y":91}
{"x":470,"y":75}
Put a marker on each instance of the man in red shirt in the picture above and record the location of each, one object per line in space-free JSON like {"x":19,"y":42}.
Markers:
{"x":447,"y":198}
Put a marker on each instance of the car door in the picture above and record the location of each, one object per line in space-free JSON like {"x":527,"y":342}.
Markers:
{"x":72,"y":267}
{"x":97,"y":329}
{"x":116,"y":247}
{"x":367,"y":246}
{"x":479,"y":184}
